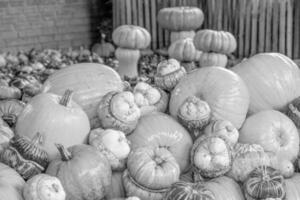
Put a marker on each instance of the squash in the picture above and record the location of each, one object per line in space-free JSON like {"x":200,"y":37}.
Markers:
{"x":5,"y":135}
{"x":222,"y":128}
{"x":292,"y":187}
{"x":130,"y":40}
{"x":116,"y":189}
{"x":215,"y":41}
{"x":224,"y":91}
{"x":9,"y":193}
{"x":168,"y":74}
{"x":89,"y":81}
{"x":84,"y":172}
{"x":9,"y":92}
{"x":224,"y":187}
{"x":161,"y":130}
{"x":113,"y":144}
{"x":117,"y":110}
{"x":208,"y":59}
{"x":56,"y":118}
{"x":150,"y":98}
{"x":44,"y":187}
{"x":175,"y":36}
{"x":25,"y":156}
{"x":274,"y":131}
{"x":270,"y":88}
{"x":211,"y":157}
{"x":183,"y":50}
{"x":264,"y":183}
{"x":103,"y":49}
{"x":189,"y":191}
{"x":10,"y":110}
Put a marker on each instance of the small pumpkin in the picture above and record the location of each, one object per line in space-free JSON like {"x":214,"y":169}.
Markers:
{"x":208,"y":59}
{"x":175,"y":36}
{"x":215,"y":41}
{"x":149,"y":98}
{"x":44,"y":187}
{"x":84,"y":172}
{"x":103,"y":49}
{"x":183,"y":50}
{"x":194,"y":114}
{"x":113,"y":144}
{"x":189,"y":191}
{"x":211,"y":157}
{"x":26,"y":156}
{"x":2,"y":61}
{"x":168,"y":74}
{"x":9,"y":92}
{"x":10,"y":110}
{"x":6,"y":133}
{"x":264,"y":182}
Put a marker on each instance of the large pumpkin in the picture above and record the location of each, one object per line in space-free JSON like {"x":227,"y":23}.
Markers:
{"x":90,"y":82}
{"x":292,"y":187}
{"x":161,"y":130}
{"x":224,"y":91}
{"x":274,"y":131}
{"x":273,"y":80}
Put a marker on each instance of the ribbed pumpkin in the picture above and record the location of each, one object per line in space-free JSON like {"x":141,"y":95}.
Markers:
{"x":183,"y":50}
{"x":269,"y":87}
{"x":274,"y":131}
{"x":208,"y":59}
{"x":90,"y":82}
{"x":160,"y":130}
{"x":215,"y":41}
{"x":84,"y":172}
{"x":189,"y":191}
{"x":181,"y":35}
{"x":264,"y":183}
{"x":224,"y":91}
{"x":10,"y":110}
{"x":9,"y":92}
{"x":103,"y":49}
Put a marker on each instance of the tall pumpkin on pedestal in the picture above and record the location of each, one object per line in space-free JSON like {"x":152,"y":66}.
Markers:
{"x":130,"y":40}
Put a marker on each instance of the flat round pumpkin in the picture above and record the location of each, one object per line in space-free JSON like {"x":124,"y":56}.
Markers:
{"x":90,"y":82}
{"x":224,"y":91}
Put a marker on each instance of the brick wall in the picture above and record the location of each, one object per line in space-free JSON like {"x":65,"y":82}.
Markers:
{"x":25,"y":24}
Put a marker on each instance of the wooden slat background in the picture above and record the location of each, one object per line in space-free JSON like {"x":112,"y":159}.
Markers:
{"x":258,"y":25}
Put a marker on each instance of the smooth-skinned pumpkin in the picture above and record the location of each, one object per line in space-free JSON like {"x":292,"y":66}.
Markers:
{"x":292,"y":187}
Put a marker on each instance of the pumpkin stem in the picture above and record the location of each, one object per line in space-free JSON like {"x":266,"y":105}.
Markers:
{"x":64,"y":153}
{"x":37,"y":139}
{"x":10,"y":119}
{"x":66,"y":98}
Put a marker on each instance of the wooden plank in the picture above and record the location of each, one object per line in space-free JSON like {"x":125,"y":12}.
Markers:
{"x":289,"y":27}
{"x":219,"y":8}
{"x":296,"y":35}
{"x":166,"y":33}
{"x":282,"y":29}
{"x":242,"y":20}
{"x":122,"y":12}
{"x":128,"y":12}
{"x":147,"y":15}
{"x":254,"y":16}
{"x":262,"y":24}
{"x":114,"y":6}
{"x":140,"y":13}
{"x":160,"y":35}
{"x":268,"y":46}
{"x":275,"y":23}
{"x":225,"y":15}
{"x":247,"y":29}
{"x":153,"y":24}
{"x":134,"y":11}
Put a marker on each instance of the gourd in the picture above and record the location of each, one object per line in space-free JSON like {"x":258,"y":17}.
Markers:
{"x":103,"y":49}
{"x":9,"y":92}
{"x":180,"y":19}
{"x":89,"y":81}
{"x":130,"y":39}
{"x":44,"y":187}
{"x":168,"y":74}
{"x":113,"y":144}
{"x":10,"y":110}
{"x":223,"y":90}
{"x":6,"y":133}
{"x":274,"y":131}
{"x":160,"y":130}
{"x":25,"y":156}
{"x":56,"y":118}
{"x":279,"y":84}
{"x":118,"y":110}
{"x":84,"y":172}
{"x":117,"y":189}
{"x":263,"y":183}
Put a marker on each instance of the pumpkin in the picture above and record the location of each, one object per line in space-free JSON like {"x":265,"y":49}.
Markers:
{"x":181,"y":35}
{"x":113,"y":144}
{"x":21,"y":81}
{"x":2,"y":61}
{"x":25,"y":156}
{"x":274,"y":131}
{"x":269,"y":88}
{"x":180,"y":18}
{"x":117,"y":110}
{"x":211,"y":157}
{"x":247,"y":157}
{"x":10,"y":110}
{"x":168,"y":74}
{"x":130,"y":40}
{"x":9,"y":193}
{"x":292,"y":187}
{"x":57,"y":118}
{"x":150,"y":98}
{"x":161,"y":130}
{"x":194,"y":114}
{"x":189,"y":191}
{"x":183,"y":50}
{"x":222,"y":128}
{"x":215,"y":41}
{"x":5,"y":135}
{"x":117,"y":189}
{"x":44,"y":187}
{"x":212,"y":59}
{"x":9,"y":92}
{"x":84,"y":172}
{"x":264,"y":182}
{"x":89,"y":81}
{"x":292,"y":111}
{"x":224,"y":187}
{"x":224,"y":91}
{"x":103,"y":49}
{"x":189,"y":66}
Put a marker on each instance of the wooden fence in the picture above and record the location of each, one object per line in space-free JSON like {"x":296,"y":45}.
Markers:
{"x":258,"y":25}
